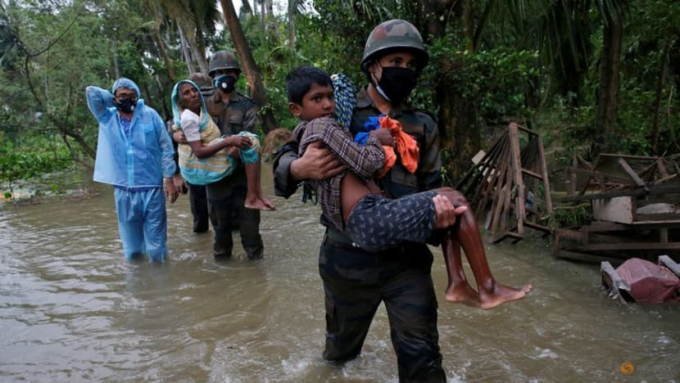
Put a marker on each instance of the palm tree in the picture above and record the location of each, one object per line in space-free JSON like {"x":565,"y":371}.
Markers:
{"x":250,"y":68}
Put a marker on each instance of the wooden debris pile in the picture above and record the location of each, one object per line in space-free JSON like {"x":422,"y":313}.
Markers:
{"x":509,"y":186}
{"x":633,"y":201}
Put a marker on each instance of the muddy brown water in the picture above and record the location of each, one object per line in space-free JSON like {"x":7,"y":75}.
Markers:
{"x":72,"y":309}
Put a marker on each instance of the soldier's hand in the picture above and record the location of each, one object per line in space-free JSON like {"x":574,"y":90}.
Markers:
{"x":240,"y":142}
{"x":445,"y":213}
{"x":384,"y":136}
{"x":179,"y":137}
{"x":316,"y":164}
{"x":233,"y":151}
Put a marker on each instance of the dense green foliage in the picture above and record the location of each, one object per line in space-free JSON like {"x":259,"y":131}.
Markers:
{"x":534,"y":61}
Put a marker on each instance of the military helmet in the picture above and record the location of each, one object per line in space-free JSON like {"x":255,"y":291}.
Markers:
{"x":223,"y":60}
{"x":203,"y":81}
{"x":393,"y":35}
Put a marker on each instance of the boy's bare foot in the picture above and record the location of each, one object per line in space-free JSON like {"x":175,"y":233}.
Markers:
{"x":501,"y":294}
{"x":268,"y":202}
{"x":462,"y":293}
{"x":259,"y":204}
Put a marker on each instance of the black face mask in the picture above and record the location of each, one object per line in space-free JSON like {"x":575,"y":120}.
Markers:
{"x":397,"y":83}
{"x":226,"y":83}
{"x":126,"y":105}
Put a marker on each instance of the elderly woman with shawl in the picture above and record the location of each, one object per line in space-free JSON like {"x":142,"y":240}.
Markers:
{"x":204,"y":159}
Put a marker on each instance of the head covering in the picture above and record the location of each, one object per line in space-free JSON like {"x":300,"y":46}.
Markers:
{"x":394,"y":35}
{"x":177,"y":108}
{"x":125,"y":83}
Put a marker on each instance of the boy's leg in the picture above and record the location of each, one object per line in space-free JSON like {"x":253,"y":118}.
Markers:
{"x":458,"y":289}
{"x":155,"y":224}
{"x":491,"y":293}
{"x":251,"y":160}
{"x":130,"y":223}
{"x":254,"y":197}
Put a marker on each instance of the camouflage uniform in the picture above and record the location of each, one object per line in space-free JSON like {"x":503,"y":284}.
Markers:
{"x":356,"y":281}
{"x":227,"y":197}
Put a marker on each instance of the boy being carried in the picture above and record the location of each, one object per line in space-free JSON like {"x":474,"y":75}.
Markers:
{"x":354,"y":204}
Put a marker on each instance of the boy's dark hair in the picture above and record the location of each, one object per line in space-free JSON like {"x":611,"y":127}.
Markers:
{"x":301,"y":79}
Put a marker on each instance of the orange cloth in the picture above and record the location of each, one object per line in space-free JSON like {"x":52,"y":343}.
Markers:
{"x":407,"y":147}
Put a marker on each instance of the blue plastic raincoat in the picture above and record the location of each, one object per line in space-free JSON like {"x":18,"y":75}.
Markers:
{"x":135,"y":164}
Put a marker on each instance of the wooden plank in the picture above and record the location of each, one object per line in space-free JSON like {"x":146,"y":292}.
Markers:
{"x":662,"y":168}
{"x":619,"y":209}
{"x":544,"y":174}
{"x":517,"y":178}
{"x":600,"y":177}
{"x":536,"y":226}
{"x":632,"y":246}
{"x":615,"y":155}
{"x":583,"y":163}
{"x":525,"y":130}
{"x":599,"y":226}
{"x":631,"y":173}
{"x":585,"y":257}
{"x":508,"y":234}
{"x":570,"y":234}
{"x":531,"y":174}
{"x":657,"y":217}
{"x":640,"y":192}
{"x":665,"y":179}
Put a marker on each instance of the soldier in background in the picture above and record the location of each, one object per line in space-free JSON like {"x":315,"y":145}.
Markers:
{"x":234,"y":113}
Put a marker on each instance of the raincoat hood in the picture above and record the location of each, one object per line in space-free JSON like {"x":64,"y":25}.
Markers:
{"x":126,"y":83}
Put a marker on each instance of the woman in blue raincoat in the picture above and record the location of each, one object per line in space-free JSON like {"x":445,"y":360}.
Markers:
{"x":134,"y":154}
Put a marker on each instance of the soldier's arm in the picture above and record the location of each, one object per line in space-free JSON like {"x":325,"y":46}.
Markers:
{"x":251,"y":120}
{"x":429,"y":167}
{"x":284,"y":183}
{"x":315,"y":164}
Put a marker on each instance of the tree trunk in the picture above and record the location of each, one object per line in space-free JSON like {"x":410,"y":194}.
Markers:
{"x":459,"y":135}
{"x":610,"y":64}
{"x":185,"y":49}
{"x":264,"y":17}
{"x":250,"y":68}
{"x":657,"y":101}
{"x":164,"y":54}
{"x":291,"y":24}
{"x":199,"y":50}
{"x":114,"y":51}
{"x":271,"y":25}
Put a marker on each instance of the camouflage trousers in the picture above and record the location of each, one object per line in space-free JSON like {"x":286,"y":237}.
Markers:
{"x":227,"y":210}
{"x":356,"y":282}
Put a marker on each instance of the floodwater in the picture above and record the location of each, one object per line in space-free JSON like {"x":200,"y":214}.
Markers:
{"x":72,"y":309}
